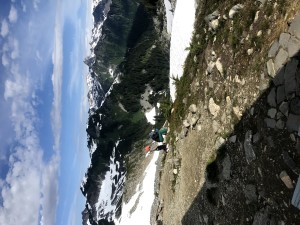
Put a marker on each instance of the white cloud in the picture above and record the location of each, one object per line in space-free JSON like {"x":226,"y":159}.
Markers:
{"x":50,"y":190}
{"x":30,"y":181}
{"x":24,"y":7}
{"x":57,"y":59}
{"x":15,"y":49}
{"x":13,"y":15}
{"x":5,"y":60}
{"x":36,"y":4}
{"x":4,"y":28}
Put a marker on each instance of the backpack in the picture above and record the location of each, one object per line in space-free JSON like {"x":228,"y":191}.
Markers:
{"x":154,"y":135}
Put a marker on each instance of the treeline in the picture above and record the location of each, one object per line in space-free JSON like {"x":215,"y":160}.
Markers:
{"x":130,"y":42}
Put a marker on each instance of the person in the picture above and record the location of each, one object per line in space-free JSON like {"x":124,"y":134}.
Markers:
{"x":158,"y":135}
{"x":158,"y":148}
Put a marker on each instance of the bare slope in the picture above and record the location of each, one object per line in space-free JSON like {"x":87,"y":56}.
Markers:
{"x":235,"y":158}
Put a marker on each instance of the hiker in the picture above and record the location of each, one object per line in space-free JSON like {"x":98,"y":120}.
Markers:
{"x":158,"y":135}
{"x":158,"y":148}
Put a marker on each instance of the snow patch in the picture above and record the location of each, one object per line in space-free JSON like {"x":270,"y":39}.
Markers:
{"x":138,"y":209}
{"x":182,"y":30}
{"x":169,"y":15}
{"x":111,"y":190}
{"x":151,"y":116}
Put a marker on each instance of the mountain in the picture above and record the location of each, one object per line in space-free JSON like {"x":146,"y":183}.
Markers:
{"x":129,"y":54}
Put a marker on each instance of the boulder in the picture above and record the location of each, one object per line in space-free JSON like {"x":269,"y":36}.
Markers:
{"x":272,"y":112}
{"x":280,"y":59}
{"x":271,"y":123}
{"x":274,"y":49}
{"x":272,"y":98}
{"x":271,"y":68}
{"x":293,"y":47}
{"x":294,"y":28}
{"x":284,"y":108}
{"x":280,"y":97}
{"x":280,"y":124}
{"x":284,"y":39}
{"x":279,"y":78}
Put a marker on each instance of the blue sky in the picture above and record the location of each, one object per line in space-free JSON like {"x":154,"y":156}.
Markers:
{"x":43,"y":153}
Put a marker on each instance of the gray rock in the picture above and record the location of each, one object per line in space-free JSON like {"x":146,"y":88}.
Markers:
{"x":279,"y":115}
{"x":296,"y":195}
{"x":271,"y":68}
{"x":212,"y":16}
{"x":263,"y":217}
{"x":213,"y":107}
{"x":295,"y":27}
{"x":256,"y":137}
{"x":194,"y":120}
{"x":280,"y":59}
{"x":193,"y":108}
{"x":234,"y":10}
{"x":232,"y":139}
{"x":248,"y":147}
{"x":186,"y":123}
{"x":274,"y":49}
{"x":293,"y":47}
{"x":295,"y":106}
{"x":216,"y":126}
{"x":272,"y":98}
{"x":293,"y":122}
{"x":280,"y":97}
{"x":293,"y":138}
{"x":279,"y":78}
{"x":284,"y":39}
{"x":219,"y":142}
{"x":284,"y":108}
{"x":271,"y":123}
{"x":250,"y":193}
{"x":272,"y":112}
{"x":286,"y":179}
{"x":290,"y":77}
{"x":280,"y":124}
{"x":226,"y":168}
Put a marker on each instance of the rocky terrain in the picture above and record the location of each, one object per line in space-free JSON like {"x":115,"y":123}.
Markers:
{"x":235,"y":137}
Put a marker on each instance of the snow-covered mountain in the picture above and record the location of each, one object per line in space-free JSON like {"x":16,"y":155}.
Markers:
{"x":103,"y":184}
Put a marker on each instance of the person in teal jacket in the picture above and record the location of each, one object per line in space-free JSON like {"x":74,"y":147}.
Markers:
{"x":158,"y":135}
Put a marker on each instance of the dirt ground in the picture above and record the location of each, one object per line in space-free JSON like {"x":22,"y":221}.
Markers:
{"x":208,"y":178}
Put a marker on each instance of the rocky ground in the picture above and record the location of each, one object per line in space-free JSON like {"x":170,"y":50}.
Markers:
{"x":235,"y":159}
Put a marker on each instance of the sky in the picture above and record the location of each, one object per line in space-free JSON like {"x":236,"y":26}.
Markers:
{"x":43,"y":110}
